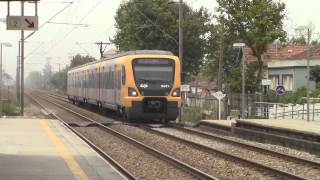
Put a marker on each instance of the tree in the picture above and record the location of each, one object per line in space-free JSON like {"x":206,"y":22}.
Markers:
{"x":145,"y":24}
{"x":231,"y":61}
{"x":47,"y":73}
{"x":34,"y":80}
{"x":256,"y":22}
{"x":59,"y":79}
{"x":300,"y":40}
{"x":78,"y":60}
{"x":315,"y":73}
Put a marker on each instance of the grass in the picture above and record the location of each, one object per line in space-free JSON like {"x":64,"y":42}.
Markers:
{"x":192,"y":114}
{"x":10,"y":108}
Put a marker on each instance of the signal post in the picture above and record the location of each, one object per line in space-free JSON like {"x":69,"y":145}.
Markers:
{"x":22,"y":23}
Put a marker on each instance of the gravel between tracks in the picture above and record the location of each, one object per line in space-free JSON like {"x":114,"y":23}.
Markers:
{"x":210,"y":163}
{"x":139,"y":163}
{"x":101,"y":118}
{"x":285,"y":150}
{"x":267,"y":159}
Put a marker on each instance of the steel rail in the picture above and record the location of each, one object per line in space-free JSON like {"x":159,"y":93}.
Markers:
{"x":187,"y":168}
{"x":243,"y":145}
{"x":104,"y":155}
{"x":248,"y":146}
{"x":224,"y":154}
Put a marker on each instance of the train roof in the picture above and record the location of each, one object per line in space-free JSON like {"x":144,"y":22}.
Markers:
{"x":135,"y":52}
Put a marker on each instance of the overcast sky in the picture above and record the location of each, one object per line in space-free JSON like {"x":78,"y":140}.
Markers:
{"x":57,"y":43}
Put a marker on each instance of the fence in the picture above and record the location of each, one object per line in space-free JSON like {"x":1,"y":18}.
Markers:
{"x":207,"y":106}
{"x":288,"y":111}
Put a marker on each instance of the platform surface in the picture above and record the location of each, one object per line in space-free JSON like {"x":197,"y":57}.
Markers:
{"x":220,"y":122}
{"x":38,"y":149}
{"x":299,"y":125}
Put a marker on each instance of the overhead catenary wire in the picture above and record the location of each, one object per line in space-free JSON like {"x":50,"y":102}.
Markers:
{"x":84,"y":17}
{"x":70,"y":3}
{"x":66,"y":35}
{"x":155,"y":25}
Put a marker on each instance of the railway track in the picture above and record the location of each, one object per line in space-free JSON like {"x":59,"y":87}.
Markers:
{"x":181,"y":166}
{"x":282,"y":163}
{"x":276,"y":171}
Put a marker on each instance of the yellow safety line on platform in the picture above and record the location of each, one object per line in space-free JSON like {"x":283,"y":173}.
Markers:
{"x":64,"y":153}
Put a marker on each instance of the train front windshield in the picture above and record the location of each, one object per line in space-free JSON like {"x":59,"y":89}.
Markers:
{"x":153,"y":71}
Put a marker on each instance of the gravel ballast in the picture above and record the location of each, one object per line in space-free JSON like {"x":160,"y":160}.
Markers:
{"x":136,"y":161}
{"x":212,"y":164}
{"x":308,"y":172}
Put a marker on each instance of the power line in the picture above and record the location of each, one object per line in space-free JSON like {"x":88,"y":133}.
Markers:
{"x":85,"y":16}
{"x":157,"y":26}
{"x":70,"y":3}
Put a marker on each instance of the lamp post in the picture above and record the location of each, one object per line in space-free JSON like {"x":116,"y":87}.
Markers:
{"x":5,"y":44}
{"x":242,"y":45}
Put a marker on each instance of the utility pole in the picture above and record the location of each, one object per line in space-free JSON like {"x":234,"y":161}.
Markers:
{"x":181,"y":38}
{"x":243,"y":104}
{"x":100,"y":44}
{"x":0,"y":80}
{"x":243,"y":59}
{"x":22,"y":65}
{"x":221,"y":47}
{"x":181,"y":55}
{"x":18,"y":72}
{"x":308,"y":75}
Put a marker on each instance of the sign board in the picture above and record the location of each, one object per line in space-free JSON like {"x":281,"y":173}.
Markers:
{"x":239,"y":44}
{"x":22,"y":23}
{"x":219,"y":95}
{"x":185,"y":88}
{"x":280,"y":90}
{"x":266,"y":82}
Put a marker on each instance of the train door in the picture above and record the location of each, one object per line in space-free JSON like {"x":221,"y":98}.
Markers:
{"x":81,"y":83}
{"x":85,"y":83}
{"x":118,"y":79}
{"x":101,"y":83}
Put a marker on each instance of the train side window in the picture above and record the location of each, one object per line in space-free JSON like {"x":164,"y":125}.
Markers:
{"x":123,"y":75}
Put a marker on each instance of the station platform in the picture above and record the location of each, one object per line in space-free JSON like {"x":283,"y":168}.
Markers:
{"x":298,"y":134}
{"x":33,"y":149}
{"x":311,"y":127}
{"x":226,"y":123}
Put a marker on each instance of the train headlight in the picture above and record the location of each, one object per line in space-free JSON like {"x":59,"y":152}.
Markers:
{"x":176,"y":92}
{"x":132,"y":92}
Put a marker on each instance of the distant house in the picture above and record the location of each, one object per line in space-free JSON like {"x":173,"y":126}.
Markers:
{"x":287,"y":64}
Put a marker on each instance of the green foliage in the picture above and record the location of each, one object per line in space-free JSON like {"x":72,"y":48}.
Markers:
{"x":10,"y":108}
{"x":192,"y":114}
{"x":59,"y":80}
{"x":145,"y":24}
{"x":315,"y":73}
{"x":288,"y":97}
{"x":234,"y":79}
{"x":78,"y":60}
{"x":256,"y":22}
{"x":301,"y":40}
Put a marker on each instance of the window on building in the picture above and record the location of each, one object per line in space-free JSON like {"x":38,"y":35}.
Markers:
{"x":287,"y":81}
{"x":274,"y":81}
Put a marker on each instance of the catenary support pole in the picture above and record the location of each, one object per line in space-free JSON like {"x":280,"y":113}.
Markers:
{"x":22,"y":66}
